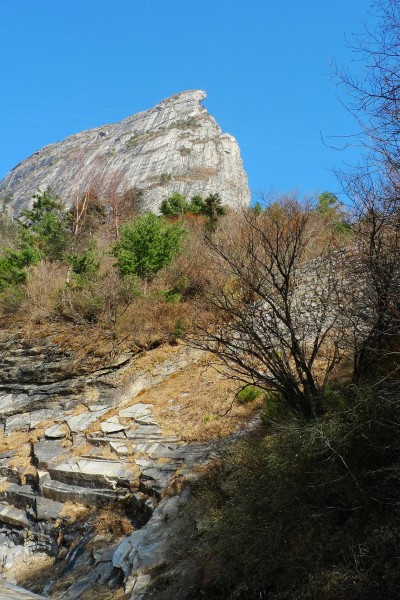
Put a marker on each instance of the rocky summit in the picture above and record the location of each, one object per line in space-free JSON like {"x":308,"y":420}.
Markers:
{"x":177,"y":146}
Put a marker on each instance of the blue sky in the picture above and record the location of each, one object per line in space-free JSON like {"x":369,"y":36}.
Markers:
{"x":69,"y":65}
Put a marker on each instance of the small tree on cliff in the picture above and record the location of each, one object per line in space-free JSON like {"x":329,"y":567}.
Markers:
{"x":46,"y":223}
{"x":147,"y":245}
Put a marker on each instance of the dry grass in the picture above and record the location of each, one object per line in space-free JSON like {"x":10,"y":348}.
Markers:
{"x":17,"y":440}
{"x":109,"y":522}
{"x":43,"y":284}
{"x":33,"y":571}
{"x":79,"y":410}
{"x":84,"y":449}
{"x":103,"y":593}
{"x":71,"y":512}
{"x":25,"y":472}
{"x":198,"y":403}
{"x":4,"y":485}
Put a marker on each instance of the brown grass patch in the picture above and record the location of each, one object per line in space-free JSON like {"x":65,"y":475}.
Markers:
{"x":109,"y":522}
{"x":79,"y":410}
{"x":71,"y":512}
{"x":198,"y":403}
{"x":32,"y":571}
{"x":42,"y":286}
{"x":103,"y":593}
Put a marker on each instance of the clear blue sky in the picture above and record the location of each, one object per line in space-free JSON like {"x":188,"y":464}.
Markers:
{"x":69,"y":65}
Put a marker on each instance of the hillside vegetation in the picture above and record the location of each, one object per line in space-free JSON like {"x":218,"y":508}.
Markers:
{"x":298,"y":302}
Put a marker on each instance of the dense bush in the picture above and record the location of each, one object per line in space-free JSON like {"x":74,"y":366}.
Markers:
{"x":46,"y":222}
{"x":147,"y":245}
{"x":300,"y":511}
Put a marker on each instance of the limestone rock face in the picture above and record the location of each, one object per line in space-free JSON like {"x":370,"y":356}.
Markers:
{"x":175,"y":146}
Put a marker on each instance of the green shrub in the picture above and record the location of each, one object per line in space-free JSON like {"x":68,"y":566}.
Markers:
{"x":14,"y":262}
{"x":197,"y":206}
{"x":85,"y":263}
{"x":179,"y":329}
{"x":147,"y":245}
{"x":174,"y":294}
{"x":247,"y":394}
{"x":46,"y":222}
{"x":175,"y":205}
{"x":307,"y":505}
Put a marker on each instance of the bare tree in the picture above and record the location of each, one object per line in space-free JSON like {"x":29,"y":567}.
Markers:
{"x":374,"y":274}
{"x":275,"y":304}
{"x":113,"y":198}
{"x":374,"y":189}
{"x":373,"y":97}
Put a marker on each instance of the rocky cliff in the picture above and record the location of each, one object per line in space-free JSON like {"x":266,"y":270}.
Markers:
{"x":175,"y":146}
{"x":93,"y":456}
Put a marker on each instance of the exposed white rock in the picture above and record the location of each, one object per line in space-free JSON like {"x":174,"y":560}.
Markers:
{"x":9,"y":591}
{"x":56,"y":432}
{"x":80,"y":422}
{"x":111,"y":425}
{"x":135,"y":411}
{"x":175,"y":146}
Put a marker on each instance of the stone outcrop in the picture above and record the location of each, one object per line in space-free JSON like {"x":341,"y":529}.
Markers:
{"x":175,"y":146}
{"x":91,"y":441}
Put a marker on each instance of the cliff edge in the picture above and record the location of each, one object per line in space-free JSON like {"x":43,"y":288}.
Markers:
{"x":175,"y":146}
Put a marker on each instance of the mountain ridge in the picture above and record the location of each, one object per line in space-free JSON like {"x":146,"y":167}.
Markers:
{"x":176,"y":146}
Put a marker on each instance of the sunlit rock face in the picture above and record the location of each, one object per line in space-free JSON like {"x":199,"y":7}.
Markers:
{"x":175,"y":146}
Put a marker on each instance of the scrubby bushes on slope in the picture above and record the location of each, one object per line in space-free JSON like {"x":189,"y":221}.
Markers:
{"x":308,"y":510}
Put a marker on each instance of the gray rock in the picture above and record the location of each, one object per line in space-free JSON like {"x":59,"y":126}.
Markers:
{"x":148,"y":547}
{"x":79,"y":423}
{"x":8,"y":591}
{"x":13,"y":516}
{"x":175,"y":146}
{"x":91,"y":472}
{"x":62,"y":492}
{"x":21,"y":422}
{"x":56,"y":432}
{"x":111,"y":425}
{"x":48,"y":452}
{"x":135,"y":411}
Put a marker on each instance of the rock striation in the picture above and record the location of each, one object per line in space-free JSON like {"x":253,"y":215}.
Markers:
{"x":175,"y":146}
{"x":73,"y":435}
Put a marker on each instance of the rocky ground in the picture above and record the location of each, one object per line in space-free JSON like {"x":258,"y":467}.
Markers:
{"x":95,"y":465}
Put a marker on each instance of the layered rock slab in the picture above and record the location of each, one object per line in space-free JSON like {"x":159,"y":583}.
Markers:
{"x":175,"y":146}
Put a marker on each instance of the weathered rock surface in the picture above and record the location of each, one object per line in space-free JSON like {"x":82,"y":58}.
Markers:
{"x":13,"y":592}
{"x":91,"y":440}
{"x":175,"y":146}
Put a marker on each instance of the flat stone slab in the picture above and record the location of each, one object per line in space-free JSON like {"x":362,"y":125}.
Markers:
{"x":62,"y":492}
{"x":79,"y":423}
{"x":135,"y":411}
{"x":19,"y":496}
{"x":56,"y":432}
{"x":48,"y":452}
{"x":20,"y":422}
{"x":47,"y":509}
{"x":86,"y":472}
{"x":112,"y":425}
{"x":156,"y":479}
{"x":119,"y":448}
{"x":146,"y":420}
{"x":8,"y":591}
{"x":13,"y":516}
